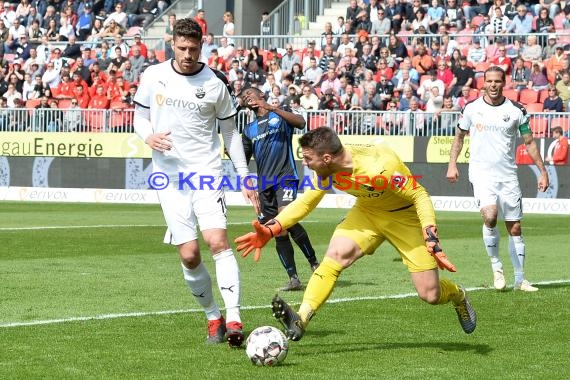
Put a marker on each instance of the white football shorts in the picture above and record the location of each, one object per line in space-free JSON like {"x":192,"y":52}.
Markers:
{"x":187,"y":209}
{"x":507,"y":196}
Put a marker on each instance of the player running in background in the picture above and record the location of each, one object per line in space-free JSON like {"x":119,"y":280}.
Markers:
{"x":268,"y":138}
{"x":177,"y":104}
{"x":493,"y":122}
{"x":390,"y":206}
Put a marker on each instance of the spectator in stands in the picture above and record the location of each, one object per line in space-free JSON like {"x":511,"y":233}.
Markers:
{"x":313,"y":73}
{"x":463,"y":76}
{"x":520,"y":76}
{"x":510,"y":9}
{"x":72,"y":50}
{"x":552,"y":8}
{"x":382,"y":69}
{"x":207,"y":46}
{"x":392,"y":119}
{"x":81,"y":95}
{"x":66,"y":30}
{"x":11,"y":95}
{"x":227,"y":51}
{"x":352,"y":14}
{"x":151,"y":59}
{"x":476,"y":54}
{"x":97,"y":31}
{"x":329,"y":101}
{"x":433,"y":101}
{"x":426,"y":86}
{"x":149,"y":9}
{"x":119,"y":15}
{"x":382,"y":24}
{"x":532,"y":51}
{"x":436,"y":16}
{"x":289,"y":59}
{"x":413,"y":73}
{"x":168,"y":52}
{"x":254,"y":74}
{"x":385,"y":89}
{"x":560,"y":152}
{"x":297,"y":74}
{"x":73,"y":118}
{"x":327,"y":57}
{"x":35,"y":33}
{"x":414,"y":119}
{"x":544,"y":24}
{"x":96,"y":72}
{"x":100,"y":100}
{"x":555,"y":64}
{"x":22,"y":11}
{"x":350,"y":100}
{"x":444,"y":72}
{"x":51,"y":77}
{"x":85,"y":23}
{"x":34,"y":15}
{"x":503,"y":61}
{"x":137,"y":60}
{"x":309,"y":101}
{"x":550,"y":48}
{"x":15,"y":31}
{"x":448,"y":117}
{"x":397,"y":48}
{"x":394,"y":14}
{"x":27,"y":87}
{"x":87,"y":56}
{"x":83,"y":71}
{"x":406,"y":98}
{"x":454,"y":16}
{"x":228,"y":30}
{"x":563,"y":88}
{"x":331,"y":82}
{"x":52,"y":31}
{"x":363,"y":22}
{"x":275,"y":69}
{"x":112,"y":29}
{"x":345,"y":43}
{"x":502,"y":25}
{"x":201,"y":20}
{"x":327,"y":35}
{"x":538,"y":81}
{"x":553,"y":103}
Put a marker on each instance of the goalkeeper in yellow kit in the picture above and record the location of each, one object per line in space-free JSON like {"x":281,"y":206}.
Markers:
{"x":391,"y":205}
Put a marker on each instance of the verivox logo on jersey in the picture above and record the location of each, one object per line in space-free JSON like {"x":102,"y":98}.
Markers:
{"x":162,"y":100}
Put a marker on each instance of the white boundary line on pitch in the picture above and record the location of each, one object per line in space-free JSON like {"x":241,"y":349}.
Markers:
{"x":110,"y":226}
{"x":185,"y":311}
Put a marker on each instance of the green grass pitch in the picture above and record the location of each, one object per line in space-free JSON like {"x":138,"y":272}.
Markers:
{"x":90,"y":292}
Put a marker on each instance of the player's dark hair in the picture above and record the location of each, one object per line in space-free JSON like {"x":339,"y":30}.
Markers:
{"x":187,"y":28}
{"x":322,"y":140}
{"x":496,"y":69}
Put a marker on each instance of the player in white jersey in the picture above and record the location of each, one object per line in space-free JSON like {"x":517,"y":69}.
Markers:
{"x":177,"y":104}
{"x":493,"y":122}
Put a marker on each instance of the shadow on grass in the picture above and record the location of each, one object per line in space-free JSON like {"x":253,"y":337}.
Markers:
{"x":480,"y":349}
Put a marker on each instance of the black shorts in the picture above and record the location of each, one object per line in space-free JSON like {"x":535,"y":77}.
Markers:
{"x":275,"y":197}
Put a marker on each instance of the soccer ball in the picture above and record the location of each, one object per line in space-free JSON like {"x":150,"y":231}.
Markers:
{"x":266,"y":346}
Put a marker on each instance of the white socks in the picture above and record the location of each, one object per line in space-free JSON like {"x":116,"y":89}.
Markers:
{"x":491,"y":239}
{"x":227,"y":275}
{"x":517,"y":253}
{"x":200,"y":284}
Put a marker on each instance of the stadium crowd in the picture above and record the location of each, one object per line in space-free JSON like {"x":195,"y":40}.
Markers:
{"x":408,"y":65}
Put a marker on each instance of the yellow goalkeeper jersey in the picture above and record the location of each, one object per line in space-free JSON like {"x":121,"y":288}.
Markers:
{"x":379,"y":180}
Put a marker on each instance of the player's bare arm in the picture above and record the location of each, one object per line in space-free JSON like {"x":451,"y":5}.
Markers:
{"x":456,"y":147}
{"x":532,"y":149}
{"x":254,"y":100}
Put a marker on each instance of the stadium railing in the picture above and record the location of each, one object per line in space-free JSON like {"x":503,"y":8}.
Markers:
{"x":377,"y":123}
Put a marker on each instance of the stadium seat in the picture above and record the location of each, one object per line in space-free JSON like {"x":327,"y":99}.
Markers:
{"x":542,"y":95}
{"x":64,"y":103}
{"x":511,"y":94}
{"x":160,"y":55}
{"x":479,"y":83}
{"x":539,"y":126}
{"x":534,"y":107}
{"x":316,"y":121}
{"x":473,"y":93}
{"x":481,"y":67}
{"x":95,"y":120}
{"x":477,"y":20}
{"x":32,"y":103}
{"x":559,"y":21}
{"x":560,"y":121}
{"x":528,"y":96}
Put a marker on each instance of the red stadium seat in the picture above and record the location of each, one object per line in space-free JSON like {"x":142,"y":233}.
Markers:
{"x":480,"y":83}
{"x":542,"y":95}
{"x":560,"y":121}
{"x":316,"y":121}
{"x":477,"y":20}
{"x":511,"y":94}
{"x":534,"y":107}
{"x":160,"y":55}
{"x":528,"y":96}
{"x":481,"y":67}
{"x":539,"y":126}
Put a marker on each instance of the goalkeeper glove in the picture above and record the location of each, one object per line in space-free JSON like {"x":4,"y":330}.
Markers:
{"x":432,"y":243}
{"x":258,"y":239}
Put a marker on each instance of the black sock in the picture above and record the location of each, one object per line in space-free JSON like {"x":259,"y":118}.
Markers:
{"x":301,"y":238}
{"x":286,"y":254}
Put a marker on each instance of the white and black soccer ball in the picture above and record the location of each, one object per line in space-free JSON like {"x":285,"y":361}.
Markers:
{"x":266,"y":346}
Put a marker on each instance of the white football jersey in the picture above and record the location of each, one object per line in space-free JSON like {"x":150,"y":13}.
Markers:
{"x":493,"y":132}
{"x":187,"y":106}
